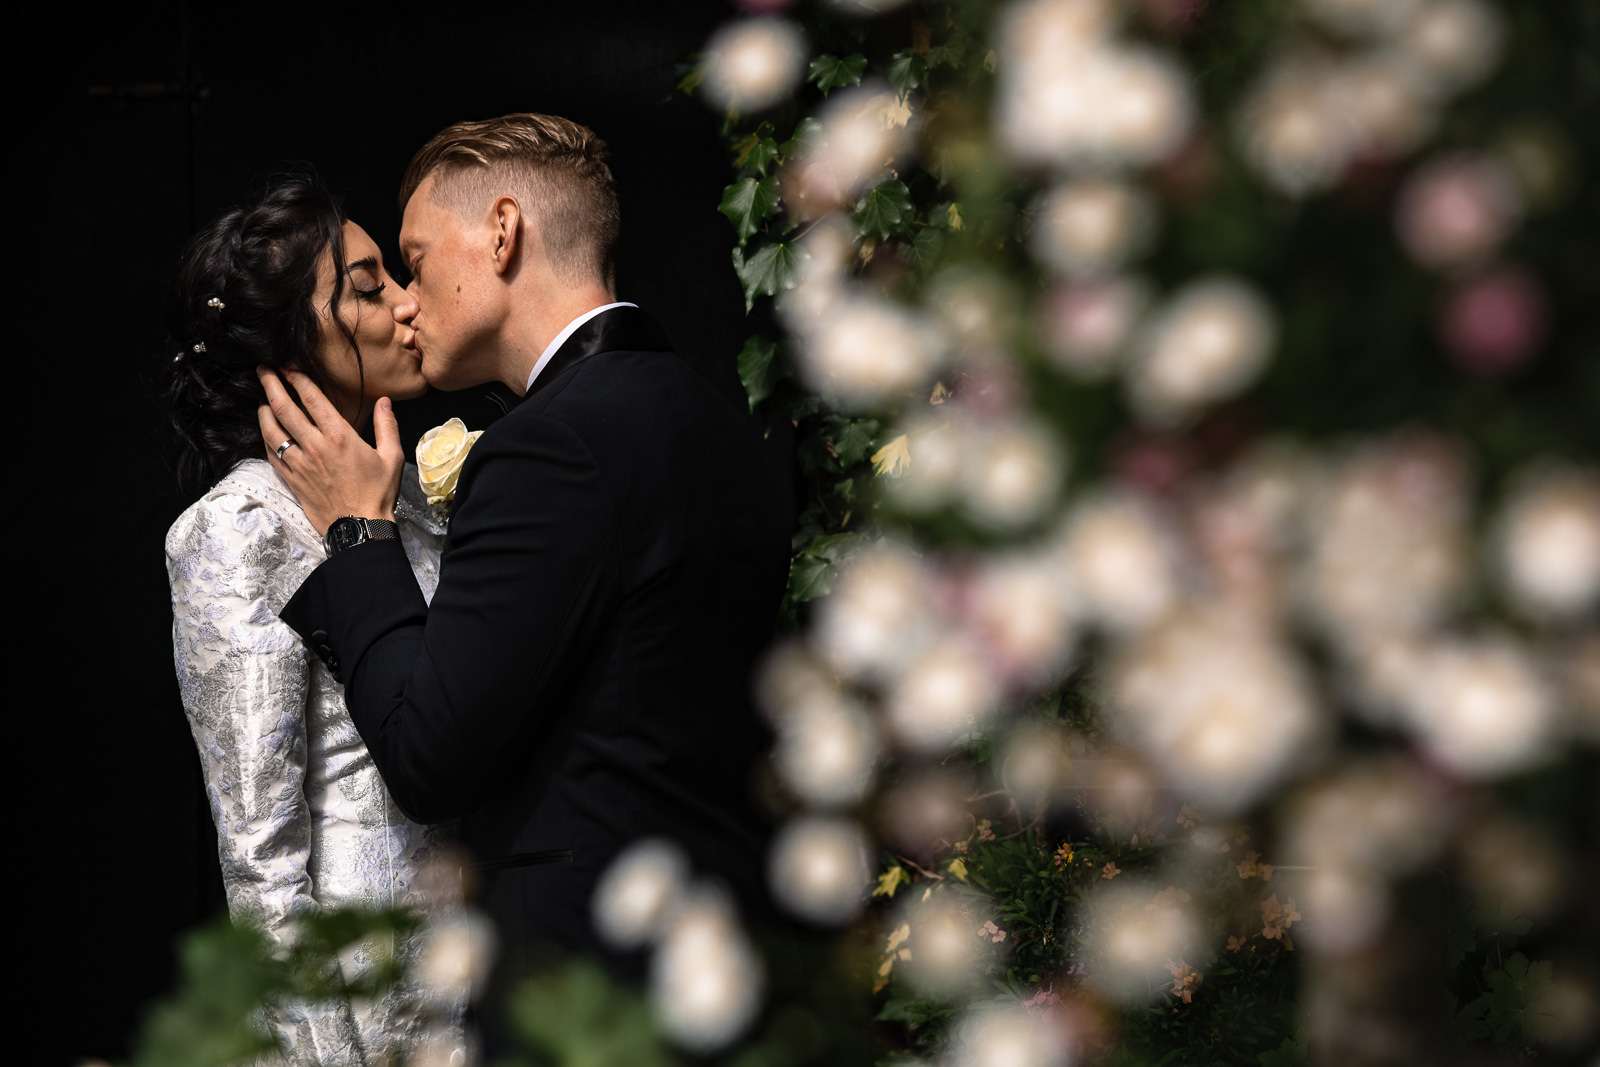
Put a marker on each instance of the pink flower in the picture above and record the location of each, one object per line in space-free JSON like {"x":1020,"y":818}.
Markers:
{"x":1456,"y":211}
{"x":993,"y":932}
{"x":1184,"y":980}
{"x":1111,"y":871}
{"x":1494,"y":322}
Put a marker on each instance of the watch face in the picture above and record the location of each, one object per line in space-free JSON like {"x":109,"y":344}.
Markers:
{"x":343,"y":533}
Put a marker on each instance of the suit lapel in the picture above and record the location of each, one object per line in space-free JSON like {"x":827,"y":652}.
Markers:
{"x":618,"y":330}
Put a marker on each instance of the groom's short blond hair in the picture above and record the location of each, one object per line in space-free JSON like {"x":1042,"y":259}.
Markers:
{"x":554,"y":166}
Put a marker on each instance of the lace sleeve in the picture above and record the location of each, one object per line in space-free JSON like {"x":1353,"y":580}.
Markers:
{"x":244,"y":679}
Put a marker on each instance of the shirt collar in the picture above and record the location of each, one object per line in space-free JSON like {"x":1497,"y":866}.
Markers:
{"x":561,"y":337}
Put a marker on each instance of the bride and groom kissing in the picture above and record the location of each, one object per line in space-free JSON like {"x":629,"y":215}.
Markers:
{"x":616,"y":548}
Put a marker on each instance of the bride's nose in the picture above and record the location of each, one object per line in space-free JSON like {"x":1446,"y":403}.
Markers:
{"x":405,"y":306}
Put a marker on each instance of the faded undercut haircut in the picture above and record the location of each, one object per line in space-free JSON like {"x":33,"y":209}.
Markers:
{"x":555,"y":166}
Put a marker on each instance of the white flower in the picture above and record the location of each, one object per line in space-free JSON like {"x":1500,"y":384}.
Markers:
{"x":974,"y":310}
{"x":1021,"y":612}
{"x":943,"y":945}
{"x":1131,"y":936}
{"x":456,"y":955}
{"x":1387,"y":552}
{"x":926,"y":809}
{"x":1090,"y":226}
{"x":1293,"y":130}
{"x":868,"y":352}
{"x":818,"y":869}
{"x":1386,"y":103}
{"x":1149,"y":111}
{"x":639,"y":892}
{"x":1121,"y":562}
{"x":1484,"y":710}
{"x":1221,"y":706}
{"x":1088,"y":102}
{"x":943,"y":694}
{"x":754,"y":62}
{"x":937,"y":444}
{"x":1209,"y":343}
{"x":1008,"y":1036}
{"x":440,"y":453}
{"x":826,"y":751}
{"x":705,"y":980}
{"x":861,"y":131}
{"x":1548,"y":543}
{"x":1453,"y":43}
{"x":1011,"y":474}
{"x":1087,"y":324}
{"x":877,"y":618}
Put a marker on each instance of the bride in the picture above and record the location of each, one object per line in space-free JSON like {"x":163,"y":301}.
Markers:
{"x":303,"y":820}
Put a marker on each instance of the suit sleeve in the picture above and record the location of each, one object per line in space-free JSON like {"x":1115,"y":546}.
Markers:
{"x":446,"y":696}
{"x":244,"y":679}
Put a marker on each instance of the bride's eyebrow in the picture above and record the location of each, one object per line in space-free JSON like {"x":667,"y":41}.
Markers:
{"x":365,"y":263}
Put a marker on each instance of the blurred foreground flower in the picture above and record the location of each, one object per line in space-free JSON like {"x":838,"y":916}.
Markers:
{"x":754,"y":63}
{"x":456,"y":955}
{"x":818,"y":869}
{"x":705,"y":980}
{"x":1207,"y":344}
{"x":1219,"y":703}
{"x":1009,"y":1037}
{"x":1547,"y":543}
{"x":1133,"y":931}
{"x":639,"y":892}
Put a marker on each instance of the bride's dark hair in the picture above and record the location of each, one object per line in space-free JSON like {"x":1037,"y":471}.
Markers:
{"x":242,"y":299}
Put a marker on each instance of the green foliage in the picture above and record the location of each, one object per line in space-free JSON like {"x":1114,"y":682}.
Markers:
{"x":770,"y":271}
{"x":759,"y":369}
{"x":832,"y":72}
{"x":225,"y":974}
{"x":1502,"y":1012}
{"x":885,"y":210}
{"x":575,"y":1015}
{"x":748,"y":203}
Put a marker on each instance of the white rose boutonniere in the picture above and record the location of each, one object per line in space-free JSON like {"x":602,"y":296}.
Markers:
{"x":440,"y":453}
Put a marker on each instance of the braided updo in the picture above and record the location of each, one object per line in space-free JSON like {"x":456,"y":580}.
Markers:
{"x":243,"y":298}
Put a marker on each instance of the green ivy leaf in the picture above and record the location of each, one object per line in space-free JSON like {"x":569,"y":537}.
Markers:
{"x":884,"y":209}
{"x":831,"y":72}
{"x":756,"y":153}
{"x":749,"y":203}
{"x":925,"y":249}
{"x":810,"y":577}
{"x":907,"y":70}
{"x":759,"y":370}
{"x":767,"y":273}
{"x":805,"y":131}
{"x":1502,"y":1012}
{"x":852,"y":439}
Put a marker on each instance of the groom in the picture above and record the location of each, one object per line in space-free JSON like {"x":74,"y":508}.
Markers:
{"x":616,"y":551}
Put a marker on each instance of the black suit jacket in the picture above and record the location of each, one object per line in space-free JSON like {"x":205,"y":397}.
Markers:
{"x":617,"y":549}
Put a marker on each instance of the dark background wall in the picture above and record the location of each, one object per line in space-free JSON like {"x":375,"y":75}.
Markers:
{"x":142,"y":124}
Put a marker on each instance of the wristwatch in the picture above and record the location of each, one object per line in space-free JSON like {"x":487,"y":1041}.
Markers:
{"x":349,"y":531}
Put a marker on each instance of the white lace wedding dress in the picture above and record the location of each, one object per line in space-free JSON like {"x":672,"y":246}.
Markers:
{"x":303,"y":820}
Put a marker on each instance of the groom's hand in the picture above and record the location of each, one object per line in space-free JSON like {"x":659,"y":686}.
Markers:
{"x":331,"y":470}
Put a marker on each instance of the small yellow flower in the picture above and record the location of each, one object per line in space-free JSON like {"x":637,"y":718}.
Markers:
{"x":958,"y":869}
{"x":1064,"y":855}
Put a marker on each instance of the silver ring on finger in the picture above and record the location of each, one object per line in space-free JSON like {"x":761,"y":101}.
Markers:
{"x":288,"y":443}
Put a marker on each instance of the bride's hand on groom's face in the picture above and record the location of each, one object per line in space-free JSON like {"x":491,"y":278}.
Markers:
{"x":331,"y":470}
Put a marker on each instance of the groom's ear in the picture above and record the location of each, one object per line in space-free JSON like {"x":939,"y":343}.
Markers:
{"x":506,"y":223}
